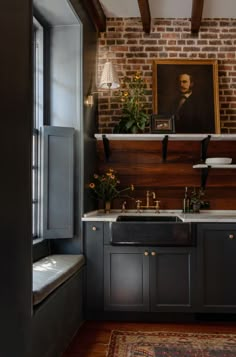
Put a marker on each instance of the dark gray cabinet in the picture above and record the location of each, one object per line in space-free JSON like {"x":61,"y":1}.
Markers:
{"x":93,"y":232}
{"x":216,"y":267}
{"x":148,"y":279}
{"x":126,"y":279}
{"x":172,"y":279}
{"x":196,"y":279}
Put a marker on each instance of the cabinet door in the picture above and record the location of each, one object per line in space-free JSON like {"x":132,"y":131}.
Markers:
{"x":126,"y":279}
{"x":171,"y":279}
{"x":94,"y":259}
{"x":217,"y":267}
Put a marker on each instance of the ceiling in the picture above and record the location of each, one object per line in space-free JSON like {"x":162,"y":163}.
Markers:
{"x":195,"y":10}
{"x":60,"y":12}
{"x":169,"y":8}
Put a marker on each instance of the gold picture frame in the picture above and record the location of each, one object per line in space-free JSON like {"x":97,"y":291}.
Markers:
{"x":198,"y":110}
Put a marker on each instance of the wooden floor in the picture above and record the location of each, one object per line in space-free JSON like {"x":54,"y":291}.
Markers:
{"x":93,"y":337}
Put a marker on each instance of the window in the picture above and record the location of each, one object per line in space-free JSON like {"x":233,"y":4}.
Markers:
{"x":38,"y":115}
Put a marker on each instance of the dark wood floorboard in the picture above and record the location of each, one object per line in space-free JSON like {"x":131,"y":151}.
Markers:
{"x":93,"y":337}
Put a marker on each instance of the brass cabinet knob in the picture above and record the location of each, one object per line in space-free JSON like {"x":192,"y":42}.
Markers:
{"x":94,"y":228}
{"x":146,"y":254}
{"x":231,"y":236}
{"x":153,"y":254}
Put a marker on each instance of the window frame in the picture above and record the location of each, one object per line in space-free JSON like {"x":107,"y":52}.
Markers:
{"x":38,"y":121}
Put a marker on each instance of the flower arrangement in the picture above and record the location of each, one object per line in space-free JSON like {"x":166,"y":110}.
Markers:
{"x":105,"y":186}
{"x":134,"y":117}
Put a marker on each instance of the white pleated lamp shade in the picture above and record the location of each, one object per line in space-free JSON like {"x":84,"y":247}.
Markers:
{"x":109,"y":77}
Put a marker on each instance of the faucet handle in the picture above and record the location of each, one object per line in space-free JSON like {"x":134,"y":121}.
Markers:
{"x":157,"y":206}
{"x":123,"y":209}
{"x":138,"y":205}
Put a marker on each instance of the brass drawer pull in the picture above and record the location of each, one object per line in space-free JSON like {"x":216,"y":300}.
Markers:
{"x":146,"y":254}
{"x":231,"y":236}
{"x":153,"y":254}
{"x":94,"y":228}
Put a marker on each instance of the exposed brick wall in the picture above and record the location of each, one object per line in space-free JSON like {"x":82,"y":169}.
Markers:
{"x":130,"y":49}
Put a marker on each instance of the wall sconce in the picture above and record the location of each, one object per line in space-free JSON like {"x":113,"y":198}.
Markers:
{"x":109,"y":80}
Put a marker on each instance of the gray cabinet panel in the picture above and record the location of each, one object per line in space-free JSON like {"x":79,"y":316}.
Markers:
{"x":217,"y":267}
{"x":171,"y":279}
{"x":57,"y":182}
{"x":126,"y":279}
{"x":94,"y":232}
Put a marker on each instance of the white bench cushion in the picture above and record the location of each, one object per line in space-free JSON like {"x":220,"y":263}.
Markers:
{"x":52,"y":271}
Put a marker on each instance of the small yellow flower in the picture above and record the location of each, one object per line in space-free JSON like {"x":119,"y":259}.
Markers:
{"x":92,"y":185}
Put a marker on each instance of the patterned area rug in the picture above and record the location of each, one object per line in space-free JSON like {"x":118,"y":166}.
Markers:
{"x":171,"y":344}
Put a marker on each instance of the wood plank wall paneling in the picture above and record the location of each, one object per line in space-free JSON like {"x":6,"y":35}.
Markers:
{"x":140,"y":163}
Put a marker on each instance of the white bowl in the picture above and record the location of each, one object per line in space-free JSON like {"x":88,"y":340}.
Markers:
{"x":218,"y":160}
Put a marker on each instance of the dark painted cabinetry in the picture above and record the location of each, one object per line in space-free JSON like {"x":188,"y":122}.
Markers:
{"x":148,"y":279}
{"x":94,"y":232}
{"x":193,"y":279}
{"x":217,"y":267}
{"x":125,"y":278}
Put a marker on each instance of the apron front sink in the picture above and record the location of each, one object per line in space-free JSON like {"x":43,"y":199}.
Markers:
{"x":149,"y":231}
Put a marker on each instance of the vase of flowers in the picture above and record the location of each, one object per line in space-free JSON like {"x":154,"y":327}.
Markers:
{"x":134,"y":117}
{"x":106,"y":187}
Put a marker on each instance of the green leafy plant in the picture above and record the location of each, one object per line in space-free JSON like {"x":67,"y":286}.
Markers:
{"x":196,"y":196}
{"x":197,"y":201}
{"x":106,"y":186}
{"x":134,"y":118}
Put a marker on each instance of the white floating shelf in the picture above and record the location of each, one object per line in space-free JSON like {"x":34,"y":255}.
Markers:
{"x":203,"y":166}
{"x":171,"y":137}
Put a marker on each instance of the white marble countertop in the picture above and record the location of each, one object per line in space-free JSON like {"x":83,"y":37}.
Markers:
{"x":220,"y":216}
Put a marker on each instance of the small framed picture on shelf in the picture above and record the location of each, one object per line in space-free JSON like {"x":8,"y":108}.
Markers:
{"x":162,"y":124}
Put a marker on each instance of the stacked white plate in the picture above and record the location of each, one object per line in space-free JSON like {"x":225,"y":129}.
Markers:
{"x":218,"y":161}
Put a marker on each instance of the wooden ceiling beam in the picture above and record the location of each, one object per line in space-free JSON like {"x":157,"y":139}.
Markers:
{"x":96,"y":14}
{"x":196,"y":18}
{"x":145,"y":15}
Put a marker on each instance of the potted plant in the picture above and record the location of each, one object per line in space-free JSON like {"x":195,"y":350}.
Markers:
{"x":196,"y":201}
{"x":106,"y":187}
{"x":134,"y":118}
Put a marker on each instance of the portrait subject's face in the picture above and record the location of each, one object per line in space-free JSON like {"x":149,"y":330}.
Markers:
{"x":185,"y":84}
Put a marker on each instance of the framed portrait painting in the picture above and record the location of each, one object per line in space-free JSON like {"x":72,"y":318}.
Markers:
{"x":187,"y":91}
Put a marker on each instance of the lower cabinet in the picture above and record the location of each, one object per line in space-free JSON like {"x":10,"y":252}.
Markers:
{"x":148,"y":279}
{"x":216,"y":267}
{"x":199,"y":279}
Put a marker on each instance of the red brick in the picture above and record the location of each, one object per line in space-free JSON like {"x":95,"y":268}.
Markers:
{"x":130,"y":49}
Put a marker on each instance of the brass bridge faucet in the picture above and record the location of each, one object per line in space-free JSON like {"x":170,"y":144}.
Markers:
{"x":148,"y":195}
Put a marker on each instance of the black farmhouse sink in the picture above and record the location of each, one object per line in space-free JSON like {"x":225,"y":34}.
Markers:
{"x":160,"y":231}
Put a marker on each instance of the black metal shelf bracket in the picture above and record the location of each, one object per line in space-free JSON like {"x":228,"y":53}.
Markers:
{"x":204,"y":147}
{"x":106,"y":147}
{"x":204,"y":175}
{"x":164,"y":148}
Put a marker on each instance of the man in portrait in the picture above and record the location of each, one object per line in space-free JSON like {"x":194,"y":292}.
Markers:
{"x":186,"y":92}
{"x":190,"y":108}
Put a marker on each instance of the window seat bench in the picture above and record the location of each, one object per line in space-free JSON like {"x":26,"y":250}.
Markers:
{"x":52,"y":271}
{"x":58,"y":289}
